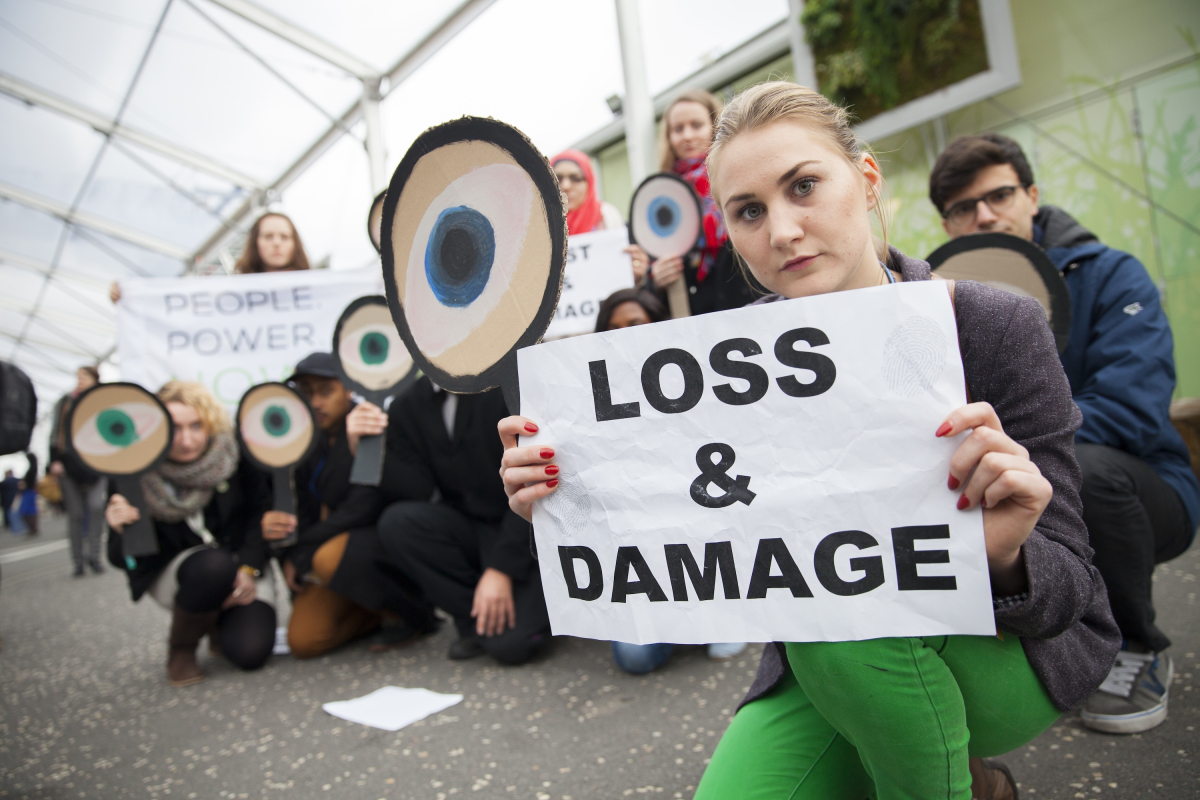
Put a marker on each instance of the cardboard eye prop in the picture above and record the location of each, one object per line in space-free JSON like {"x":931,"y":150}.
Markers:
{"x":1014,"y":265}
{"x":375,"y":221}
{"x":123,"y":431}
{"x":664,"y":220}
{"x":277,"y":431}
{"x":374,"y":364}
{"x":474,"y":243}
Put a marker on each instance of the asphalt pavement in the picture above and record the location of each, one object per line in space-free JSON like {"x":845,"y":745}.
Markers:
{"x":86,"y":712}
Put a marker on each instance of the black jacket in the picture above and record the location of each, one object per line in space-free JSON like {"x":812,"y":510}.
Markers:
{"x":421,"y":457}
{"x":725,"y":286}
{"x":233,"y":516}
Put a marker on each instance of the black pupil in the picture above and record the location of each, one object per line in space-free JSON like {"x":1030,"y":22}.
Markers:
{"x":664,"y":216}
{"x":117,"y":428}
{"x":374,"y":347}
{"x":459,"y":254}
{"x":275,"y":419}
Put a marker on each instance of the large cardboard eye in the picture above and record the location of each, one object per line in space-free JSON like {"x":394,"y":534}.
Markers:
{"x":370,"y":353}
{"x":375,"y":221}
{"x":664,"y":217}
{"x":276,"y":426}
{"x":1014,"y":265}
{"x":474,"y":242}
{"x":119,"y":429}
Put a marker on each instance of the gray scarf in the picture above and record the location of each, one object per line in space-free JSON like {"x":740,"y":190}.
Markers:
{"x":175,"y":491}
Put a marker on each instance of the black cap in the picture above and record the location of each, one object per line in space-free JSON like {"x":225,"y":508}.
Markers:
{"x":319,"y":364}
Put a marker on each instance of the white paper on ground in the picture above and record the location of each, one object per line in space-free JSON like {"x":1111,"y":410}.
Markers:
{"x":858,"y":457}
{"x":392,"y":708}
{"x":595,"y":268}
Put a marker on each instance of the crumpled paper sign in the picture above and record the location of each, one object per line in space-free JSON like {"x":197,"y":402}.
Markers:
{"x":643,"y":542}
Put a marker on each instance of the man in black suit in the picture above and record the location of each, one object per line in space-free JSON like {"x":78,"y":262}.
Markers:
{"x":469,"y":552}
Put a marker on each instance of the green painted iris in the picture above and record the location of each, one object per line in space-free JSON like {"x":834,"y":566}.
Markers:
{"x":373,"y":348}
{"x":276,"y":420}
{"x":116,"y":427}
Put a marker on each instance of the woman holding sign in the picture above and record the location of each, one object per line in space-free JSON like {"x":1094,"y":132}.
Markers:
{"x":902,"y":717}
{"x":206,"y":504}
{"x":713,"y":279}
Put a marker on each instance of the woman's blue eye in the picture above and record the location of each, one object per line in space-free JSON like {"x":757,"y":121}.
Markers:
{"x":751,"y":212}
{"x":805,"y":186}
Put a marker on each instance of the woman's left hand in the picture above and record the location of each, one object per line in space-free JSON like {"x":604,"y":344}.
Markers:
{"x":994,"y":471}
{"x":639,"y":260}
{"x":243,"y":591}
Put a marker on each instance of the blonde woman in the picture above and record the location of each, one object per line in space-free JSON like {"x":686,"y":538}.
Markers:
{"x":206,"y":504}
{"x":902,"y":717}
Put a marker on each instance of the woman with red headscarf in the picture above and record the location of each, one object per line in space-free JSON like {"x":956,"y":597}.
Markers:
{"x":586,"y":212}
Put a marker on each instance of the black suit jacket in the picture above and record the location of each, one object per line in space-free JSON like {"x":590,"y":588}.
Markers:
{"x":465,"y":468}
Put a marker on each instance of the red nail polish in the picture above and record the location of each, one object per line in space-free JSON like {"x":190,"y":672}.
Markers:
{"x":963,"y":502}
{"x":551,"y":470}
{"x":942,"y":431}
{"x":547,"y":453}
{"x":952,"y":483}
{"x":529,"y":426}
{"x":552,"y":483}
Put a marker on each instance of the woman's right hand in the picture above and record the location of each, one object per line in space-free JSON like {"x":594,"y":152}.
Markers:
{"x":666,"y":271}
{"x":528,"y":472}
{"x":120,"y":513}
{"x":277,"y":525}
{"x":638,"y":260}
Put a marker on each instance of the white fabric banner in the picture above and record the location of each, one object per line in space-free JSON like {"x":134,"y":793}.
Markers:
{"x":231,"y":332}
{"x":762,"y":474}
{"x":595,"y":268}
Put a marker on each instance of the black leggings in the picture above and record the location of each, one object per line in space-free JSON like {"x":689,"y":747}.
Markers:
{"x":247,"y":633}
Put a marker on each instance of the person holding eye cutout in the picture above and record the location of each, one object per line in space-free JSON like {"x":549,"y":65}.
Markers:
{"x":714,"y":280}
{"x":343,"y":585}
{"x":901,"y":717}
{"x":206,"y":503}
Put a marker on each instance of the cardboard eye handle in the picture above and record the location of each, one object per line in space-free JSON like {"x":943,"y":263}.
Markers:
{"x":285,"y":501}
{"x":138,"y":538}
{"x":368,"y":461}
{"x":677,"y":299}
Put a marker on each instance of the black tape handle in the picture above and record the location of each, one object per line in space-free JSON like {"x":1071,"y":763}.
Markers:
{"x":368,"y":461}
{"x":138,"y":538}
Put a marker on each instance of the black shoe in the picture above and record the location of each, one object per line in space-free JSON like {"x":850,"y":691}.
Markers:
{"x":96,"y":566}
{"x":78,"y":573}
{"x":465,"y":647}
{"x":392,"y":636}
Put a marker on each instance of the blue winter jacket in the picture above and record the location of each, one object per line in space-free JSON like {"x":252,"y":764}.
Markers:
{"x":1120,"y":354}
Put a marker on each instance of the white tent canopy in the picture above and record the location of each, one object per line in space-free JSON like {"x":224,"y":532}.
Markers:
{"x":142,"y":137}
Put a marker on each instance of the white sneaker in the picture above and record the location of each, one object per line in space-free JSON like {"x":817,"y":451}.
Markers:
{"x":1133,"y":698}
{"x":281,"y":645}
{"x":723,"y":651}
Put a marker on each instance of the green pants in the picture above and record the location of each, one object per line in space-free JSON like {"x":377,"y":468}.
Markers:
{"x":883,"y":719}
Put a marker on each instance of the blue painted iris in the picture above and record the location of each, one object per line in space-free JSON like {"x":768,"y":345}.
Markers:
{"x":459,"y":256}
{"x":663,"y":215}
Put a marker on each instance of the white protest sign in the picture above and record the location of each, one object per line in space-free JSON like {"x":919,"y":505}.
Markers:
{"x":231,"y":332}
{"x":763,"y":474}
{"x":595,"y":268}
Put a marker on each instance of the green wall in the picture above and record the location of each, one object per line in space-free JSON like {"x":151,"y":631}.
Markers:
{"x":1108,"y":112}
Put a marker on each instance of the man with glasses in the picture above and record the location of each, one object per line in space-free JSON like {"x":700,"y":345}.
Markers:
{"x":1141,"y":501}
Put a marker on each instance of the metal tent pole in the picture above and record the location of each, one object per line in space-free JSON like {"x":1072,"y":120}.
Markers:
{"x":804,"y":68}
{"x":638,"y":105}
{"x":376,"y":150}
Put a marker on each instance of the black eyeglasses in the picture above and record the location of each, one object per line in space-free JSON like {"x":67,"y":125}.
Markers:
{"x":964,"y":211}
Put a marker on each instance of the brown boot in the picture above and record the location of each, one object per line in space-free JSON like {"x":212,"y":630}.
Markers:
{"x":186,"y":631}
{"x":991,"y":780}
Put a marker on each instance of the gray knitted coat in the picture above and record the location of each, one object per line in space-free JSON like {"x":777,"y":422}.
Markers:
{"x":1010,"y":361}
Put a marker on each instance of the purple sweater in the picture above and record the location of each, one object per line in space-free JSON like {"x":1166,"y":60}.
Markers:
{"x":1063,"y":619}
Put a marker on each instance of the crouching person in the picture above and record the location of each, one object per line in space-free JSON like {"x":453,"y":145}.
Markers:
{"x":469,"y":552}
{"x":205,"y":504}
{"x":345,"y":584}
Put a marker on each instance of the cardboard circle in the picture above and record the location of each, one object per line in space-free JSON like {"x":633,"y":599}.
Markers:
{"x":1011,"y":264}
{"x":369,"y":352}
{"x":275,"y":425}
{"x":665,"y":216}
{"x":474,"y":243}
{"x":375,"y":221}
{"x":119,"y":429}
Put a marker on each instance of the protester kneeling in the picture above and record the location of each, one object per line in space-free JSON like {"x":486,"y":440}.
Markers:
{"x":469,"y":552}
{"x":345,"y":584}
{"x":901,"y":716}
{"x":206,"y":504}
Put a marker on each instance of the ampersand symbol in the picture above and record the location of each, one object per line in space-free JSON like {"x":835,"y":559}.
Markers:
{"x":736,"y":489}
